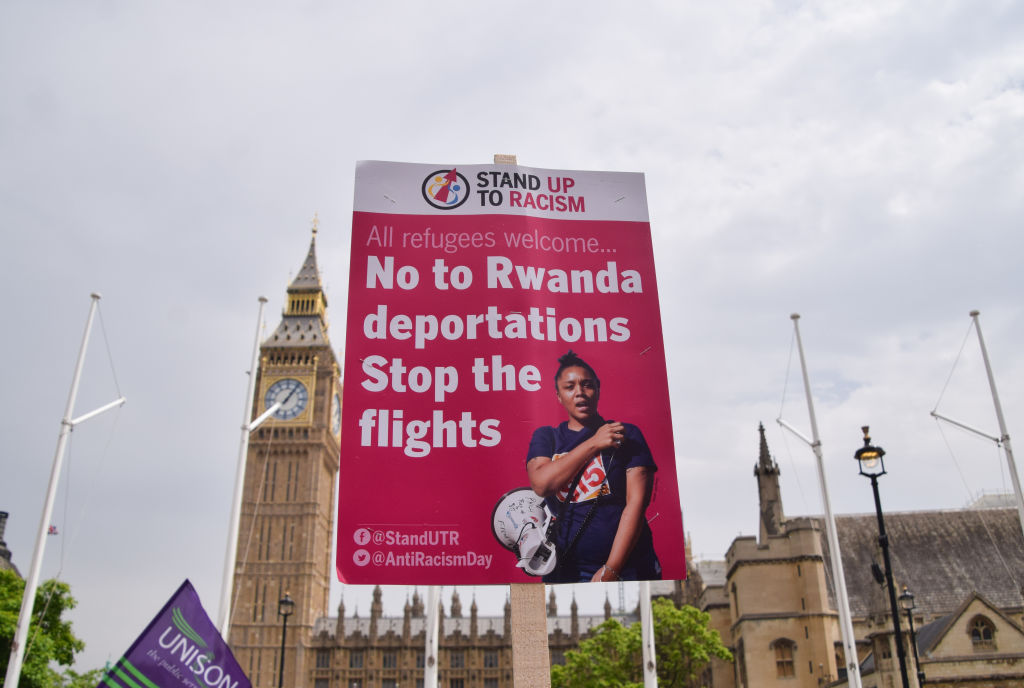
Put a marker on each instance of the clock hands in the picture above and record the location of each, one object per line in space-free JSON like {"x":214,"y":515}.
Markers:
{"x":290,"y":394}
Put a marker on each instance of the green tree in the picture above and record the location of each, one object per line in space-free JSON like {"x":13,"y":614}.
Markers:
{"x":50,"y":640}
{"x":684,"y":643}
{"x":609,"y":658}
{"x":612,"y":657}
{"x":90,"y":679}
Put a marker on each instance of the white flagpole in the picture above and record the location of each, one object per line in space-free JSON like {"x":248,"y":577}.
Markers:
{"x":842,"y":601}
{"x":228,"y":582}
{"x":32,"y":582}
{"x":1004,"y":436}
{"x":430,"y":665}
{"x":647,"y":636}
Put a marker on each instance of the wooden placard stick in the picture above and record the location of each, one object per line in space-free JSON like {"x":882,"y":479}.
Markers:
{"x":531,"y":660}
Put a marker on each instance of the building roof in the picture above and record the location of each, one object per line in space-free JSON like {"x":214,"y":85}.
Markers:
{"x":302,"y":324}
{"x":308,"y":278}
{"x":930,"y":635}
{"x":994,"y":500}
{"x":941,"y":556}
{"x":299,"y":330}
{"x":713,"y":573}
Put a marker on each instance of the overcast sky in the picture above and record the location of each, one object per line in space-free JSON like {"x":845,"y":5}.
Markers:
{"x":857,"y":162}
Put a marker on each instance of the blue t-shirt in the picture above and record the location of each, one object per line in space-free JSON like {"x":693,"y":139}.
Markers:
{"x":582,"y":546}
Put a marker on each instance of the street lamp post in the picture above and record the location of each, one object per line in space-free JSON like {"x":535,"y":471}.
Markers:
{"x":872,"y":466}
{"x":907,"y":604}
{"x":285,"y":608}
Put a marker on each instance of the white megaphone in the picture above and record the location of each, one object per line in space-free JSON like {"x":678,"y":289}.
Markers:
{"x":520,"y":523}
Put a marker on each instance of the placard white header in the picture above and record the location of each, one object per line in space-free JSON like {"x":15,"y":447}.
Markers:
{"x":429,"y":189}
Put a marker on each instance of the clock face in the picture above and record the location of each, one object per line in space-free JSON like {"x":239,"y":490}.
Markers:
{"x":291,"y":394}
{"x":336,"y":414}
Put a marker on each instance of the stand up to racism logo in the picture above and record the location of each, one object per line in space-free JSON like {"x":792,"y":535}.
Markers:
{"x":445,"y":189}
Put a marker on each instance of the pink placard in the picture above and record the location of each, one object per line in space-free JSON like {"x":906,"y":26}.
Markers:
{"x":466,"y":285}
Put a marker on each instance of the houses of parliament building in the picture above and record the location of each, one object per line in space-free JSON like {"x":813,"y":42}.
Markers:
{"x":771,"y":598}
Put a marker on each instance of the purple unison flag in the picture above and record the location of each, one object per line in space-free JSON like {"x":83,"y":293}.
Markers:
{"x":180,"y":648}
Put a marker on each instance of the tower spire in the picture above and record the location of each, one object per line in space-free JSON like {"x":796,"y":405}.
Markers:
{"x":768,"y":491}
{"x":304,"y":322}
{"x":764,"y":458}
{"x":308,"y":278}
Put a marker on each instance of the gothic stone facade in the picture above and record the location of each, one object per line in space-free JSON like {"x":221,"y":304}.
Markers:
{"x":773,"y":600}
{"x":473,"y":651}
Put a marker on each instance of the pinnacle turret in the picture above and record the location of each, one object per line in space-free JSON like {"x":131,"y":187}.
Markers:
{"x":769,"y":493}
{"x":764,"y":459}
{"x":308,"y":278}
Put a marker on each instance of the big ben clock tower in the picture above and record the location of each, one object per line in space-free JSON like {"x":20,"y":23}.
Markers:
{"x":284,"y":542}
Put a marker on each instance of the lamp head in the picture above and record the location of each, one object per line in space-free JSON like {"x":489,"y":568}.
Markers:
{"x":906,"y":600}
{"x":869,"y":458}
{"x":286,"y":606}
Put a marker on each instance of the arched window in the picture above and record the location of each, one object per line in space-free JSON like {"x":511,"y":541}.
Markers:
{"x":983,"y":633}
{"x":784,"y":662}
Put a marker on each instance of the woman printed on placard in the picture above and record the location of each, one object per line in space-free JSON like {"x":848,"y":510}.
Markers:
{"x":601,"y":532}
